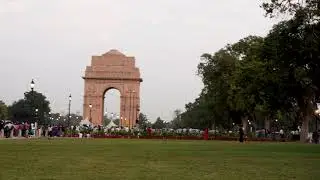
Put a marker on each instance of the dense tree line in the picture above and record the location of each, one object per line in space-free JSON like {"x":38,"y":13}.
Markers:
{"x":261,"y":79}
{"x":34,"y":107}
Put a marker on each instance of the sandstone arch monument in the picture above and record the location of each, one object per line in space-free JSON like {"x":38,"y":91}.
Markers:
{"x":112,"y":70}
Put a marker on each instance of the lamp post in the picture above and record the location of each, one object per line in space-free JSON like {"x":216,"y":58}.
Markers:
{"x":32,"y":84}
{"x":137,"y":116}
{"x":317,"y":112}
{"x":69,"y":115}
{"x":90,"y":107}
{"x":36,"y":114}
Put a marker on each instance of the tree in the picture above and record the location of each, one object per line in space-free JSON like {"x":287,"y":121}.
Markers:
{"x":117,"y":121}
{"x":244,"y":91}
{"x":3,"y":111}
{"x":159,"y":124}
{"x":216,"y":72}
{"x":33,"y":108}
{"x":310,"y":9}
{"x":275,"y":77}
{"x":143,"y":121}
{"x":292,"y":50}
{"x":106,"y":120}
{"x":227,"y":77}
{"x":198,"y":114}
{"x":177,"y":120}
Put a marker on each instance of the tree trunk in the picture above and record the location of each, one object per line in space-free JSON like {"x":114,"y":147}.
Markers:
{"x":305,"y":128}
{"x":306,"y":112}
{"x":267,"y":123}
{"x":244,"y":124}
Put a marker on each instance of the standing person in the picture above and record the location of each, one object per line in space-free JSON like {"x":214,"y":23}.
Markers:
{"x":23,"y":129}
{"x":1,"y":128}
{"x":315,"y":137}
{"x":281,"y":134}
{"x":7,"y":129}
{"x":149,"y":131}
{"x":206,"y":134}
{"x":50,"y":131}
{"x":241,"y":133}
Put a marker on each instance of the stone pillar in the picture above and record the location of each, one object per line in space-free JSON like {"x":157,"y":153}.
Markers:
{"x":96,"y":114}
{"x":129,"y":105}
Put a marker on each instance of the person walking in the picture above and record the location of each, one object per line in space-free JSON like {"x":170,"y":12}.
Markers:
{"x":315,"y":137}
{"x":281,"y":134}
{"x":241,"y":133}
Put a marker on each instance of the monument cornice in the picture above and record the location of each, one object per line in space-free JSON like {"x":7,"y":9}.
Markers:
{"x":110,"y":78}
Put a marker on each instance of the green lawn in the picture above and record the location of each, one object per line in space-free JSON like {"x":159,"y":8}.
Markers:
{"x":156,"y":159}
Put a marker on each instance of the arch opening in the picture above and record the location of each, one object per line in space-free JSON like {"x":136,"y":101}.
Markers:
{"x":111,"y":107}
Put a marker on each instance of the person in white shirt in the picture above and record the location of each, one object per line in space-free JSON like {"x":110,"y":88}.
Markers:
{"x":281,"y":134}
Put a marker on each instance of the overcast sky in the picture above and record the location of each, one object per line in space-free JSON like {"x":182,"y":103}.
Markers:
{"x":52,"y":42}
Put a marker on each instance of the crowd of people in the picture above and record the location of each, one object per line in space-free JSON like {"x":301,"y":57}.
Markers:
{"x":24,"y":129}
{"x":8,"y":128}
{"x":14,"y":129}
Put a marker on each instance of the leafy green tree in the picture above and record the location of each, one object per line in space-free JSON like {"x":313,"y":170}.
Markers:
{"x":33,"y":108}
{"x":276,"y":77}
{"x":106,"y":120}
{"x":216,"y":72}
{"x":143,"y":121}
{"x":3,"y":111}
{"x":292,"y":50}
{"x":227,"y":77}
{"x":308,"y":8}
{"x":197,"y":114}
{"x":117,"y":121}
{"x":159,"y":124}
{"x":177,"y":120}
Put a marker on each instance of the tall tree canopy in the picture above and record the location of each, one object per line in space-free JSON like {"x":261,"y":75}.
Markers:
{"x":275,"y":77}
{"x":33,"y":108}
{"x":159,"y":124}
{"x":143,"y":121}
{"x":3,"y":111}
{"x":310,"y":9}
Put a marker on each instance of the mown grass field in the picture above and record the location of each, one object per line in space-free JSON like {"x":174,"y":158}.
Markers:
{"x":156,"y":159}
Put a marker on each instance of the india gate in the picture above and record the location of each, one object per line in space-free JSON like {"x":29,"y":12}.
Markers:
{"x":112,"y":70}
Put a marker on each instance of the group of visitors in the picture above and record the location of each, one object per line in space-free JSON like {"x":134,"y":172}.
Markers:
{"x":15,"y":129}
{"x":8,"y":128}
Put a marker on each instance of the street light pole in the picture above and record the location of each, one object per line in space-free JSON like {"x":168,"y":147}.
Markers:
{"x":137,"y":116}
{"x":317,"y":114}
{"x":69,"y":115}
{"x":32,"y":84}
